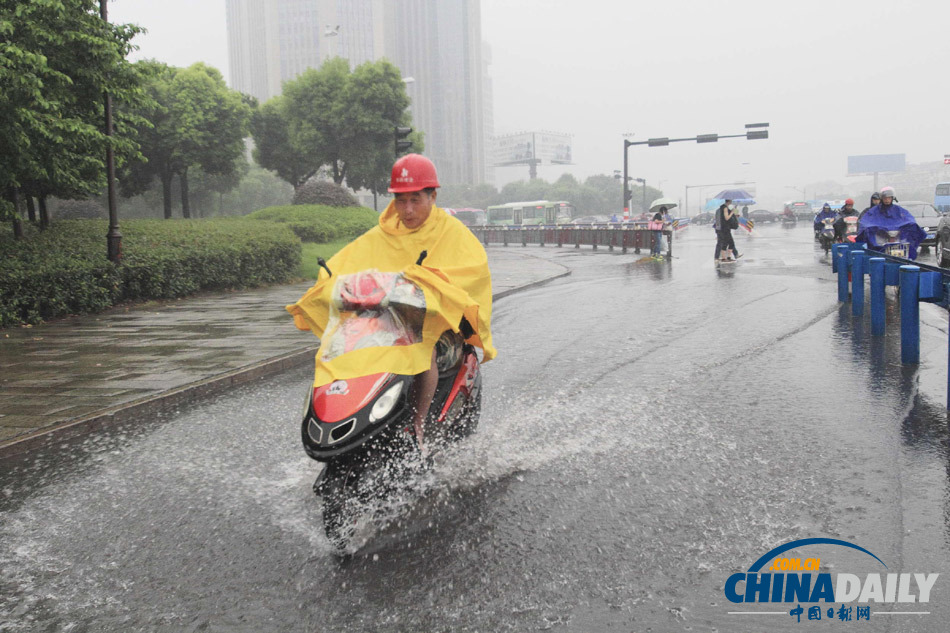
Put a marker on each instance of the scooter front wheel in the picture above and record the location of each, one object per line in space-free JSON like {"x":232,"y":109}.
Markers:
{"x":339,"y":492}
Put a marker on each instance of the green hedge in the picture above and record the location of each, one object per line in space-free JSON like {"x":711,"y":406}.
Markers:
{"x":321,"y":224}
{"x":65,"y":270}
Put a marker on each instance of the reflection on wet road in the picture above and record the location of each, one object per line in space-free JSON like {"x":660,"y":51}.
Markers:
{"x":649,"y":429}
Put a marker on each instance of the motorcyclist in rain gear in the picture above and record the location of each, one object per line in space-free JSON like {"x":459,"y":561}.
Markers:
{"x":840,"y":225}
{"x":411,"y":224}
{"x":875,"y":200}
{"x":888,"y":216}
{"x":826,"y":212}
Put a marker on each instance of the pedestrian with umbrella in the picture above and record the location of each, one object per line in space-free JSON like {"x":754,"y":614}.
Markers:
{"x":660,"y":210}
{"x":726,"y":219}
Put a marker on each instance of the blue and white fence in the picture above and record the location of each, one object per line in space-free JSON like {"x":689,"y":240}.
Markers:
{"x":917,"y":283}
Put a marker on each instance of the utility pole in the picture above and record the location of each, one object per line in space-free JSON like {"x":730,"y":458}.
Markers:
{"x":626,"y":187}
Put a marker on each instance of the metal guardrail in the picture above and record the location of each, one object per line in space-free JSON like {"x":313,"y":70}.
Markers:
{"x":916,"y":283}
{"x":623,"y":236}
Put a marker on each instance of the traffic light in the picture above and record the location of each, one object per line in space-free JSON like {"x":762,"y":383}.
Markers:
{"x":402,"y":143}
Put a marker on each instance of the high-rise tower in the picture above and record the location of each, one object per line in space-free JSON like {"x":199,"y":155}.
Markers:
{"x":436,"y":44}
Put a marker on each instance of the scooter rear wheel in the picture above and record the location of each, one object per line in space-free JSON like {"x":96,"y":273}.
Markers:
{"x":469,"y":421}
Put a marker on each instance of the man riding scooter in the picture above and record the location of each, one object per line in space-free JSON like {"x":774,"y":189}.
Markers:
{"x":889,"y":224}
{"x":841,"y":222}
{"x":825,"y":213}
{"x":410,"y":225}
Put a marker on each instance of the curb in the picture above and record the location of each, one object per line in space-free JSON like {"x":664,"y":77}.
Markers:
{"x":156,"y":404}
{"x":185,"y":394}
{"x":511,"y":291}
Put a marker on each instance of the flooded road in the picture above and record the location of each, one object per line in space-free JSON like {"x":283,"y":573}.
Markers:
{"x":649,"y":429}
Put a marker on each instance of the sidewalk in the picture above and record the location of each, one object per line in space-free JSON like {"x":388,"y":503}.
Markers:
{"x":66,"y":378}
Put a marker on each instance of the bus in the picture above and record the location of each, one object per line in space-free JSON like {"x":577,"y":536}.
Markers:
{"x":469,"y":217}
{"x":534,"y":212}
{"x":942,"y":197}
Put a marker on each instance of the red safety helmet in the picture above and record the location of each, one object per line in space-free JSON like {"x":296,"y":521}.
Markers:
{"x":849,"y":201}
{"x":412,"y":172}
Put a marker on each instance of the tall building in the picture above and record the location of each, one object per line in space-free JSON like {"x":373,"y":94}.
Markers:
{"x":488,"y":112}
{"x":272,"y":41}
{"x":436,"y":44}
{"x":253,"y":54}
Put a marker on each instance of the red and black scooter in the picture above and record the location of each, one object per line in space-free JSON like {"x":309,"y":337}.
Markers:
{"x":361,"y":428}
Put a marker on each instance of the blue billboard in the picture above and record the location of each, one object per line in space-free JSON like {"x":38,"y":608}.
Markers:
{"x":875,"y":163}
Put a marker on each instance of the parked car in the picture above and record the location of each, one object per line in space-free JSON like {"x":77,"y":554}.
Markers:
{"x":762,"y":216}
{"x":928,"y":218}
{"x":704,"y":218}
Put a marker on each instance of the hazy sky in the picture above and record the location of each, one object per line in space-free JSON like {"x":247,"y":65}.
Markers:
{"x":833,"y":78}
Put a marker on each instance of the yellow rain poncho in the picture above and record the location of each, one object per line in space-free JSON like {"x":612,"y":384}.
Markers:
{"x":454,"y":277}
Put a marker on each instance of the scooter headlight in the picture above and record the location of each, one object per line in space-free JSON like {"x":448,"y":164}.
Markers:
{"x":385,"y":403}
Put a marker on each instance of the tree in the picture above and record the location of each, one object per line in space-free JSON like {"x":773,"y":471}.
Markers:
{"x":479,"y":196}
{"x":273,"y":150}
{"x":204,"y":187}
{"x":57,"y":61}
{"x":196,"y":120}
{"x":526,"y":190}
{"x":157,"y":139}
{"x":335,"y":119}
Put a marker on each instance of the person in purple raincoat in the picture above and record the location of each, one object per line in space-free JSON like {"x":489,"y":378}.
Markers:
{"x":825,"y":213}
{"x":888,"y":216}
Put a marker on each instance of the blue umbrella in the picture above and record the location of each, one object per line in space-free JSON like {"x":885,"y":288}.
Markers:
{"x":739,"y":196}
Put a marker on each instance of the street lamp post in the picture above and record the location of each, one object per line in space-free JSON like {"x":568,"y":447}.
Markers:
{"x":113,"y":237}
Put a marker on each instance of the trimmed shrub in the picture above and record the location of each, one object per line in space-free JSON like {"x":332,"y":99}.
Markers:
{"x":64,"y":270}
{"x":324,"y":192}
{"x":321,"y":224}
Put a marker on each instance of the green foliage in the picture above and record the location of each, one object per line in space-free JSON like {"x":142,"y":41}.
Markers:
{"x":336,"y":119}
{"x":65,"y":271}
{"x":80,"y":210}
{"x":270,"y":128}
{"x":211,"y":197}
{"x":310,"y":253}
{"x":460,"y":196}
{"x":598,"y":195}
{"x":57,"y":60}
{"x":325,"y":192}
{"x":195,"y":121}
{"x":315,"y":223}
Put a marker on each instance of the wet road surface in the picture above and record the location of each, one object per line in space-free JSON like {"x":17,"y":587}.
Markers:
{"x":649,"y":428}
